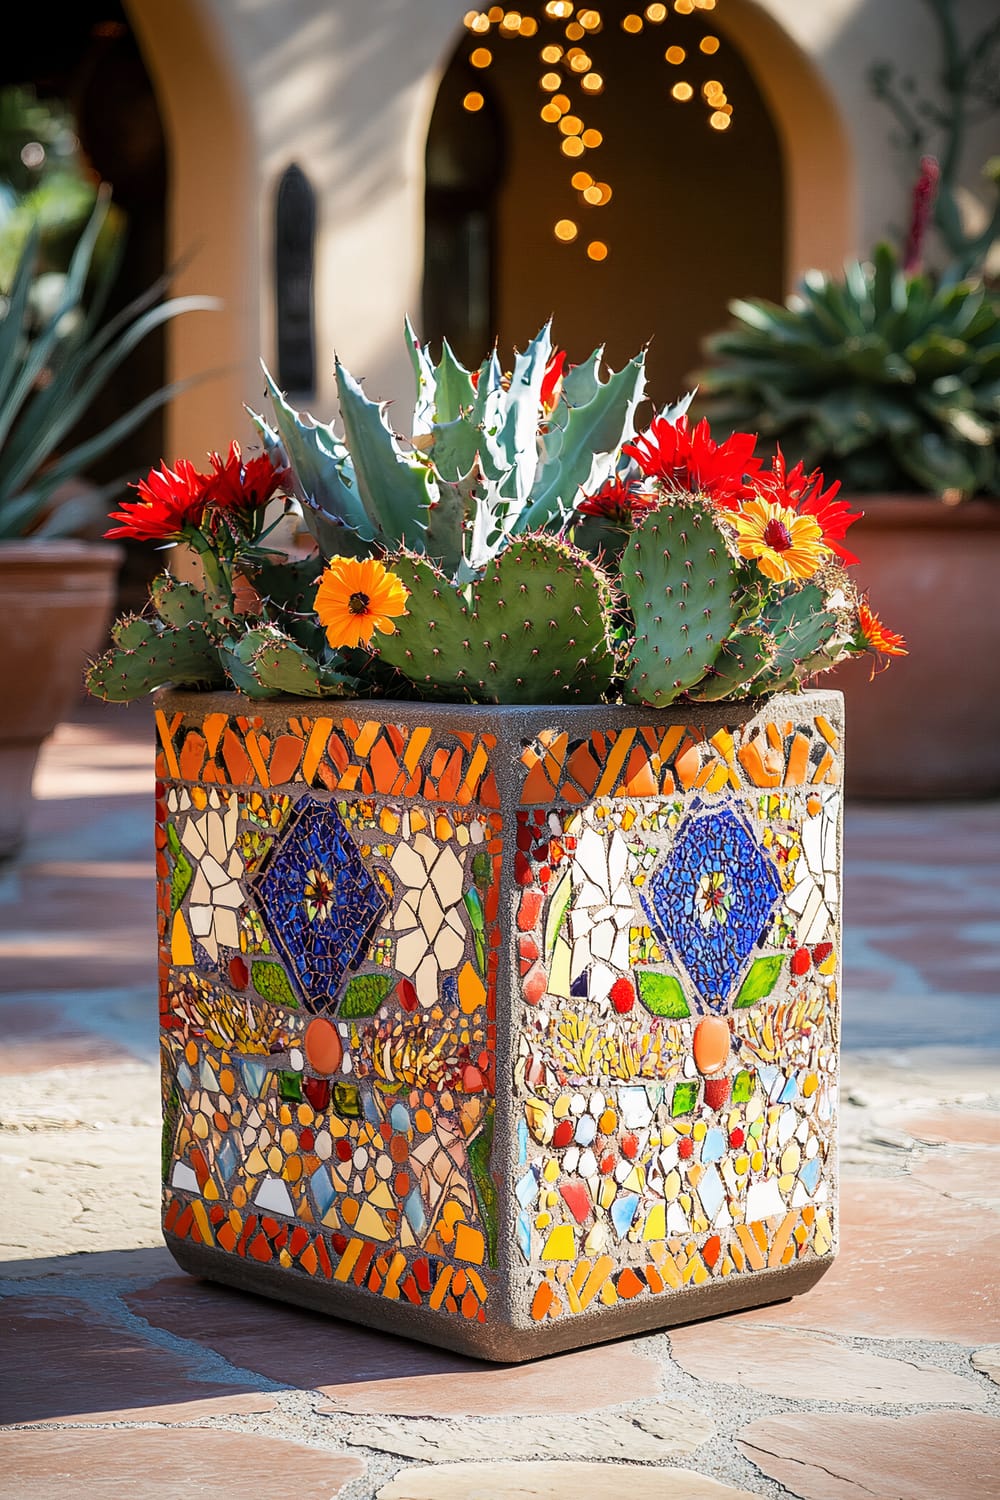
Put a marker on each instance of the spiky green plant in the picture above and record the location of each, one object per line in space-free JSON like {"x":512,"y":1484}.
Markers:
{"x":48,"y":382}
{"x":884,"y":380}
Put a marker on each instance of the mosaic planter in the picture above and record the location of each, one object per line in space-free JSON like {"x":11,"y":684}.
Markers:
{"x":506,"y":1029}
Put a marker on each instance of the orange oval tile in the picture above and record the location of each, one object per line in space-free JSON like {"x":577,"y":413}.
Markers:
{"x":711,"y":1044}
{"x":323,"y":1047}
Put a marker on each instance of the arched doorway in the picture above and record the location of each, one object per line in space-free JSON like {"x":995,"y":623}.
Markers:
{"x":696,"y":215}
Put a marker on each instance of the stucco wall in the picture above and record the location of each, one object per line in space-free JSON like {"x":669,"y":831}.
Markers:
{"x":346,"y":88}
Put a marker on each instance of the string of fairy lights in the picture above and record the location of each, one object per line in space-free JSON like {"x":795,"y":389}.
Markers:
{"x":568,"y":64}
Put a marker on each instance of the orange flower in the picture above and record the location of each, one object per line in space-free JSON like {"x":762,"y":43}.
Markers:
{"x":875,"y":636}
{"x":783,"y":543}
{"x":356,"y":597}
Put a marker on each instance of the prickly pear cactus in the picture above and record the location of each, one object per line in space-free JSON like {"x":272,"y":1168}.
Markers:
{"x":677,"y":577}
{"x":146,"y":654}
{"x":532,"y":627}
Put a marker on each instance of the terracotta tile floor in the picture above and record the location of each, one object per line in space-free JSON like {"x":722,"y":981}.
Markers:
{"x":120,"y":1377}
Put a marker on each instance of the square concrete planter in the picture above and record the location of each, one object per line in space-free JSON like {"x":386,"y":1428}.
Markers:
{"x":506,"y":1029}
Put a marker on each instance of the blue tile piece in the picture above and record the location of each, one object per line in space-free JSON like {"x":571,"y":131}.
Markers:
{"x":524,"y":1235}
{"x":809,"y":1174}
{"x":713,"y":1147}
{"x":322,"y":1189}
{"x":623,"y":1212}
{"x":319,"y":900}
{"x":526,"y":1190}
{"x":415,"y":1212}
{"x":226,"y":1157}
{"x":254,"y":1074}
{"x":712,"y":899}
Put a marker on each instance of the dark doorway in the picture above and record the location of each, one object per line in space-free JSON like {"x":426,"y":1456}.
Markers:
{"x":696,"y":215}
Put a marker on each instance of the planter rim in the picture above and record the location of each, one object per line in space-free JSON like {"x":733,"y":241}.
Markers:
{"x":925,"y":513}
{"x":583,"y":717}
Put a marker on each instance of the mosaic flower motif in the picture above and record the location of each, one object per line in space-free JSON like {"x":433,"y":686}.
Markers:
{"x":428,"y":920}
{"x":714,"y":858}
{"x":320,"y":900}
{"x":215,"y":894}
{"x":713,"y":898}
{"x":602,"y":911}
{"x":812,"y":899}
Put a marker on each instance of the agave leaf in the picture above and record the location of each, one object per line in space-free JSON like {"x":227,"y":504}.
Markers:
{"x":885,"y":273}
{"x":454,"y":391}
{"x":446,"y":519}
{"x":321,"y":466}
{"x":937,"y":354}
{"x":520,"y":426}
{"x":423,"y":374}
{"x":394,"y":490}
{"x":72,"y":389}
{"x":598,"y":427}
{"x":580,"y":383}
{"x":935,"y":464}
{"x":12,"y":326}
{"x":455,"y":447}
{"x":44,"y":345}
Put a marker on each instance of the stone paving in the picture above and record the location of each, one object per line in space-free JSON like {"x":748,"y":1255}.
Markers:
{"x":122,"y":1377}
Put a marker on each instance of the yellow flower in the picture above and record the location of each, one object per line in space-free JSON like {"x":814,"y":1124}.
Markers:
{"x":783,"y":543}
{"x":357,"y":596}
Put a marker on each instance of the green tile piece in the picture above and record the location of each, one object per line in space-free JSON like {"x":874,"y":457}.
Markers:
{"x":364,"y":994}
{"x":662,"y":995}
{"x":171,"y":1116}
{"x":272,"y":983}
{"x":346,"y":1100}
{"x":558,"y":906}
{"x":477,"y":920}
{"x":479,"y":1151}
{"x":180,"y":878}
{"x":685,"y":1098}
{"x":742,"y":1086}
{"x":763,"y":976}
{"x":482,"y":871}
{"x":290,"y":1086}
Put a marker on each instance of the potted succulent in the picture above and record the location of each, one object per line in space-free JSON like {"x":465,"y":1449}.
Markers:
{"x":498,"y":854}
{"x":888,"y":376}
{"x":56,"y":591}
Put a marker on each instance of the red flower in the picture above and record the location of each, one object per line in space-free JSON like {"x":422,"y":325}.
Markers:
{"x":690,"y":459}
{"x":170,"y":501}
{"x":805,"y":493}
{"x":552,"y":379}
{"x":239,"y":488}
{"x":876,"y":637}
{"x":617,"y":500}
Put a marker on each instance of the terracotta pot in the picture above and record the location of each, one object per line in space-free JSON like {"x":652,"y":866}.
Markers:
{"x":55,"y":601}
{"x":929,"y":726}
{"x":508,"y":1029}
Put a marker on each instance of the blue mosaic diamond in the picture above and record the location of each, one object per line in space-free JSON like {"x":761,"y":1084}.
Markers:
{"x":318,"y":899}
{"x":712,"y":898}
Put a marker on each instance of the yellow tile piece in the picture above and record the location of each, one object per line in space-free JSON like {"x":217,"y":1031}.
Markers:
{"x":550,"y":1171}
{"x":596,"y":1280}
{"x":560,"y":1244}
{"x":181,"y":951}
{"x":469,"y":1244}
{"x":201,"y":1219}
{"x":656,"y":1223}
{"x":608,"y":1294}
{"x":471,"y":989}
{"x":348,"y":1260}
{"x":822,"y":1234}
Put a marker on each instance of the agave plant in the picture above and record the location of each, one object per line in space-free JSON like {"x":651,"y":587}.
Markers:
{"x":455,"y":557}
{"x":885,"y":380}
{"x":48,"y":381}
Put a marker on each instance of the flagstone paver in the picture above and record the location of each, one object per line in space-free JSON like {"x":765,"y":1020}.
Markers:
{"x":147,"y":1464}
{"x":809,"y":1368}
{"x":653,"y":1433}
{"x":560,"y":1481}
{"x":836,"y":1456}
{"x":881,"y":1382}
